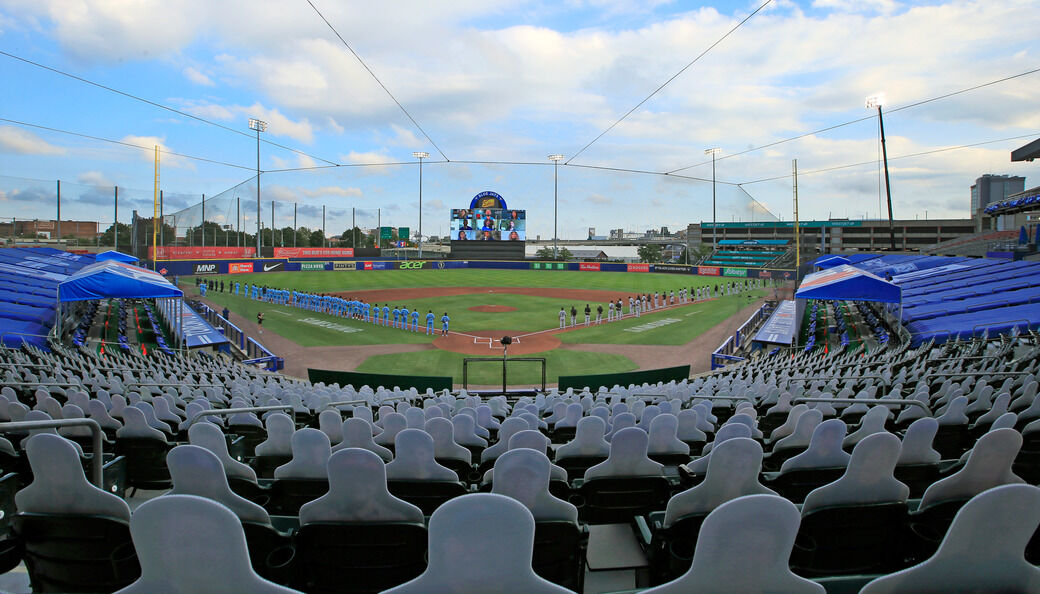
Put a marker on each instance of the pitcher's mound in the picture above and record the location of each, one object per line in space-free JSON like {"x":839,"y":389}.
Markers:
{"x":492,"y":308}
{"x":486,"y":343}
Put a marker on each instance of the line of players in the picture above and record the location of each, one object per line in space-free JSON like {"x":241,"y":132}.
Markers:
{"x":398,"y":317}
{"x":645,"y":303}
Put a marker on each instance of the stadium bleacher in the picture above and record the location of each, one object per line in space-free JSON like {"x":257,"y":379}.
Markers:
{"x":853,"y":469}
{"x":747,"y":253}
{"x":28,"y":281}
{"x":857,"y":467}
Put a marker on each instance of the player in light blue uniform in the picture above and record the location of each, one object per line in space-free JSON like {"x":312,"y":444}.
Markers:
{"x":397,"y":316}
{"x":404,"y":317}
{"x":429,"y":322}
{"x":236,"y":289}
{"x":202,"y":289}
{"x":444,"y":324}
{"x":415,"y":321}
{"x":386,"y":314}
{"x":368,"y":311}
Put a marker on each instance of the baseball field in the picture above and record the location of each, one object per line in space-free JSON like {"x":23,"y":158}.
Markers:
{"x":483,"y":306}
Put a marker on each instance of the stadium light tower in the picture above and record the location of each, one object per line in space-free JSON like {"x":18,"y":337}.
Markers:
{"x":872,"y":102}
{"x":714,"y":231}
{"x":418,"y":155}
{"x":259,"y":126}
{"x":556,"y":199}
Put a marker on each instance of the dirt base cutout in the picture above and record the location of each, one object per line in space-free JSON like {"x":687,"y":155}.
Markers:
{"x":491,"y":308}
{"x":486,"y":343}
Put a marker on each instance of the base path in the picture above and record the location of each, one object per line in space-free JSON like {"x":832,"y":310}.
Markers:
{"x":487,"y":343}
{"x":491,"y":308}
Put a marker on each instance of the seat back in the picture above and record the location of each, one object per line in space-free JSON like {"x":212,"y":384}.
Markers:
{"x":59,"y":484}
{"x":357,"y":433}
{"x":824,"y":449}
{"x":197,"y":471}
{"x":868,"y":478}
{"x":209,"y":436}
{"x":280,"y":429}
{"x":732,"y":472}
{"x":988,"y":466}
{"x":358,"y":493}
{"x":663,"y":437}
{"x":414,"y":459}
{"x":1004,"y":518}
{"x":627,"y":458}
{"x":744,"y":546}
{"x":464,"y":556}
{"x":178,"y":538}
{"x":523,"y":474}
{"x":311,"y":450}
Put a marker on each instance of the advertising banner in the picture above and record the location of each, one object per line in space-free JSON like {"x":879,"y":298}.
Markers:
{"x":674,"y":268}
{"x":741,"y":272}
{"x":411,"y":265}
{"x":635,"y":267}
{"x":708,"y":270}
{"x":206,"y":269}
{"x":312,"y":265}
{"x":548,"y":265}
{"x":765,"y":274}
{"x":183,"y":252}
{"x":273,"y":266}
{"x":240,"y":267}
{"x":379,"y":265}
{"x":314,"y":252}
{"x":589,"y":266}
{"x":344,"y":265}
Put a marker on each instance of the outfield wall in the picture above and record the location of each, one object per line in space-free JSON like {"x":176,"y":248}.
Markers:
{"x":356,"y":379}
{"x":206,"y":267}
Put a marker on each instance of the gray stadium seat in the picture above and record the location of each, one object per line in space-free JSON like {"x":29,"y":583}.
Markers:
{"x":981,"y":552}
{"x":464,"y":556}
{"x":744,"y":546}
{"x":190,"y":544}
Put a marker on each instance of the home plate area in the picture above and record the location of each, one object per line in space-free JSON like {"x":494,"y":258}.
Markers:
{"x":494,"y":344}
{"x":484,"y":342}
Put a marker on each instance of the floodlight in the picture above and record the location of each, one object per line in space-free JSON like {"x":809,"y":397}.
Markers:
{"x":555,"y":158}
{"x":420,"y":154}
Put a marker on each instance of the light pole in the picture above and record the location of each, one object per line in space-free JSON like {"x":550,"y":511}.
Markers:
{"x":872,"y":102}
{"x":714,"y":231}
{"x":556,"y":201}
{"x":418,"y":155}
{"x":259,"y":126}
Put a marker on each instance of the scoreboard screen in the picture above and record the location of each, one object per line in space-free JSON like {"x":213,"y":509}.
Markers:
{"x":488,"y":224}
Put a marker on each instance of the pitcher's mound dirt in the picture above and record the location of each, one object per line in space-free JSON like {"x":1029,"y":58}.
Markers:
{"x":486,"y":343}
{"x":492,"y":308}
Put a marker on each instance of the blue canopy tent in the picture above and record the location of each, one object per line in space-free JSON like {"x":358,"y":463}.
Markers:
{"x":116,"y":256}
{"x":830,"y":262}
{"x":849,"y":283}
{"x":112,"y":279}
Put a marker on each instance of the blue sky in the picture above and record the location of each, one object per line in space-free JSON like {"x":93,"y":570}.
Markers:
{"x":515,"y":81}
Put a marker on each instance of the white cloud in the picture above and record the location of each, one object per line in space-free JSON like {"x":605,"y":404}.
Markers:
{"x":194,"y":75}
{"x":147,"y":146}
{"x":599,"y":200}
{"x":95,"y":178}
{"x":23,"y":142}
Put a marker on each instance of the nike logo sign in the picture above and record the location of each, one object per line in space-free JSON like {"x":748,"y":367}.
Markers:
{"x":271,"y":267}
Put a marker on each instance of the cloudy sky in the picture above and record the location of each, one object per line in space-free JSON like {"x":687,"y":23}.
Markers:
{"x":510,"y":83}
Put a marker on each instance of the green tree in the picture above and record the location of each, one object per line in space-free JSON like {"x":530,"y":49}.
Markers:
{"x":650,"y":253}
{"x":108,"y":237}
{"x":317,"y":238}
{"x":546,"y":253}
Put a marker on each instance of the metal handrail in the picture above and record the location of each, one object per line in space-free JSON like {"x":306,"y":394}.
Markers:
{"x":221,"y":412}
{"x":877,"y":401}
{"x":343,"y":403}
{"x":705,"y":397}
{"x":96,"y":461}
{"x":36,"y":365}
{"x":171,"y":384}
{"x":974,"y":373}
{"x":830,"y":377}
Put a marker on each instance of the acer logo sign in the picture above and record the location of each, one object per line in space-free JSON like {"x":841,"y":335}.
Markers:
{"x":415,"y":265}
{"x":205,"y":269}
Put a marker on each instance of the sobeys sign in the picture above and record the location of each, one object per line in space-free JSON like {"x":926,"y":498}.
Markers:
{"x":735,"y":272}
{"x":312,"y":266}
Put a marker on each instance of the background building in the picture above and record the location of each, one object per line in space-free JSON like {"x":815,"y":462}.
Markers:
{"x":989,"y":189}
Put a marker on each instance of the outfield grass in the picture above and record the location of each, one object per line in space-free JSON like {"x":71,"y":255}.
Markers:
{"x":436,"y":362}
{"x":677,"y":326}
{"x":346,"y":280}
